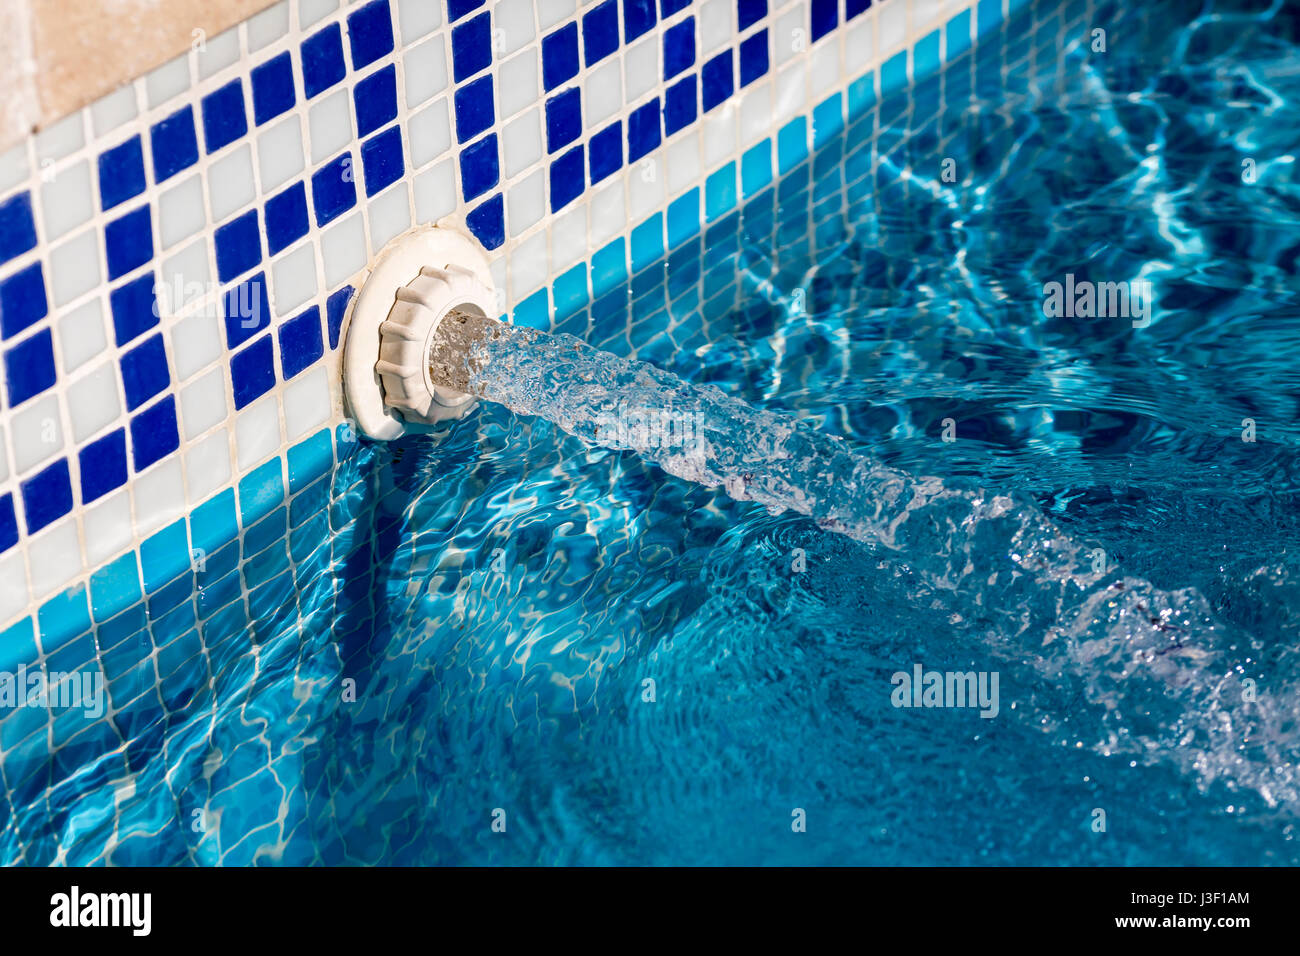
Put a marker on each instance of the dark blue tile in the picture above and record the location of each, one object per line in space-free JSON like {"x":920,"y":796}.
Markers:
{"x":129,"y":242}
{"x":239,"y":246}
{"x":679,"y":48}
{"x":568,"y":179}
{"x":174,"y":143}
{"x":825,"y":16}
{"x":600,"y":32}
{"x":376,"y":100}
{"x":381,"y":158}
{"x":300,"y":343}
{"x":286,"y":218}
{"x":154,"y":434}
{"x":853,"y":7}
{"x":8,"y":523}
{"x":559,"y":56}
{"x":224,"y":120}
{"x":563,"y":120}
{"x":458,"y":8}
{"x":605,"y":152}
{"x":29,"y":367}
{"x":272,"y":88}
{"x":121,"y":173}
{"x":717,"y":80}
{"x":749,"y":12}
{"x":753,"y":58}
{"x":144,"y":372}
{"x":488,"y":222}
{"x":332,"y":189}
{"x":322,"y":60}
{"x":17,"y":228}
{"x":669,"y":7}
{"x":370,"y":33}
{"x":643,"y":130}
{"x":134,"y":308}
{"x":336,"y":308}
{"x":679,"y":106}
{"x":47,"y":496}
{"x":638,"y":17}
{"x":22,"y":300}
{"x":252,"y":372}
{"x":474,"y":109}
{"x":246,"y":310}
{"x":471,"y":47}
{"x":103,"y":466}
{"x":479,"y":168}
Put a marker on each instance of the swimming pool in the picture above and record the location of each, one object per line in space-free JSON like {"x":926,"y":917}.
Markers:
{"x":495,"y":644}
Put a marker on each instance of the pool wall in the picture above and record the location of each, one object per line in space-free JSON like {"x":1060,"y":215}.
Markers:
{"x":177,"y":259}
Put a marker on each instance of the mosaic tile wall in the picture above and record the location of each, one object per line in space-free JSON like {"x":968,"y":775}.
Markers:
{"x":176,"y":260}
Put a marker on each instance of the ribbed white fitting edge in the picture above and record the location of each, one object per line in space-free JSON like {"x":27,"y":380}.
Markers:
{"x":415,"y":282}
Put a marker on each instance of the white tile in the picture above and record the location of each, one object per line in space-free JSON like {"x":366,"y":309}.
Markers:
{"x":608,"y":213}
{"x":67,"y":200}
{"x":715,"y":25}
{"x":892,"y":18}
{"x":718,"y":135}
{"x":74,"y":267}
{"x":61,"y":138}
{"x":108,"y":527}
{"x":426,"y":71}
{"x":521,"y":143}
{"x":641,"y":66}
{"x":184,"y":279}
{"x":293,"y":279}
{"x":330,"y":125}
{"x":257,"y":432}
{"x":435,"y":192}
{"x":159,"y":496}
{"x":181,"y":212}
{"x":268,"y":26}
{"x":682,"y":164}
{"x":82,"y":334}
{"x":497,"y":269}
{"x":791,"y":98}
{"x":93,"y":401}
{"x":756,"y":113}
{"x":230,"y":183}
{"x":14,"y":593}
{"x":4,"y":459}
{"x":529,"y":267}
{"x":170,"y":79}
{"x":203,"y":404}
{"x":824,"y":69}
{"x":525,"y":202}
{"x":207,"y":466}
{"x":109,"y":112}
{"x":279,"y":153}
{"x":513,"y":23}
{"x":430,"y":134}
{"x":14,"y":167}
{"x":568,"y":238}
{"x":343,"y":247}
{"x":55,"y":558}
{"x":645,"y":194}
{"x":859,"y":46}
{"x":306,"y":403}
{"x":517,"y":83}
{"x":602,"y":96}
{"x":214,"y":53}
{"x":310,"y":11}
{"x":36,"y":433}
{"x":390,"y":216}
{"x":552,"y":12}
{"x":789,"y":35}
{"x":195,"y":343}
{"x":417,"y":18}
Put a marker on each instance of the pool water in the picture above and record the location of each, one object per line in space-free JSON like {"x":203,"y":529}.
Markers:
{"x":504,"y":646}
